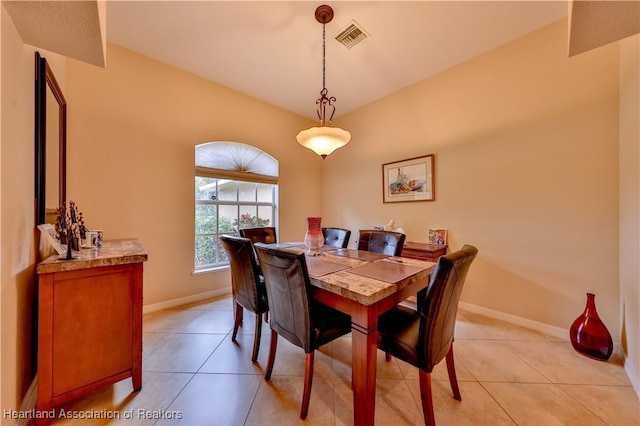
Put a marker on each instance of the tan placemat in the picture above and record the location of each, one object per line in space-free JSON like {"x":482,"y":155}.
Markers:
{"x":318,"y":267}
{"x":389,"y":272}
{"x":368,"y":256}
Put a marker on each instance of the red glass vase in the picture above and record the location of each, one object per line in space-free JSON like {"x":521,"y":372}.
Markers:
{"x":313,"y":238}
{"x":589,"y":335}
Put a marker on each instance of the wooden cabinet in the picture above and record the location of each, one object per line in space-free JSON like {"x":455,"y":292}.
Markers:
{"x":89,"y":323}
{"x":423,"y":251}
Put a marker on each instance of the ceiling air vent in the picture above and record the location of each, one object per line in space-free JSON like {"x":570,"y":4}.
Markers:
{"x":352,"y":35}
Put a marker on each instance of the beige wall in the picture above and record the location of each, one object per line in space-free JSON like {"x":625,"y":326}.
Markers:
{"x":526,"y":146}
{"x":18,"y":235}
{"x":17,"y":214}
{"x":630,"y":205}
{"x":132,"y":131}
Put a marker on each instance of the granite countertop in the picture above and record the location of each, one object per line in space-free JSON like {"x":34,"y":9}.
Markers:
{"x":112,"y":252}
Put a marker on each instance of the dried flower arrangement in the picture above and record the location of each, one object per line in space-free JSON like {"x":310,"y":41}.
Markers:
{"x":70,"y":226}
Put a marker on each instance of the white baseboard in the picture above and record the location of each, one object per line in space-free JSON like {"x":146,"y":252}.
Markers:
{"x":551,"y":330}
{"x":633,"y":377}
{"x":185,"y":300}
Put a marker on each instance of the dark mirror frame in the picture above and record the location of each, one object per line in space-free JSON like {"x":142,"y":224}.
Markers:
{"x":45,"y":80}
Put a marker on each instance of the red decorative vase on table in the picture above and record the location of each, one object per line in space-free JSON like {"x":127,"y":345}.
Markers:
{"x":313,"y":238}
{"x":589,"y":335}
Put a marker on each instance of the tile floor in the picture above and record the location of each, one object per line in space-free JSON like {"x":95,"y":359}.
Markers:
{"x":195,"y":375}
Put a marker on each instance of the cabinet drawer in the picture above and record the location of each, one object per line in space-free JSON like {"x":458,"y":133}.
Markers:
{"x":422,"y":251}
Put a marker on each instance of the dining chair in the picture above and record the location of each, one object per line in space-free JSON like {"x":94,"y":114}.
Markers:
{"x":260,"y":234}
{"x":424,"y":337}
{"x":294,"y":314}
{"x":336,"y":237}
{"x":263,"y":234}
{"x":385,"y":242}
{"x":247,"y":284}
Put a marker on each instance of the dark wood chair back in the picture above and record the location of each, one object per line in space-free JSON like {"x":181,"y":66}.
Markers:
{"x":265,"y":234}
{"x":385,"y":242}
{"x":336,"y":237}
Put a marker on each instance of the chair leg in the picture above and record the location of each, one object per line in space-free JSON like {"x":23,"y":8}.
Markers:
{"x":426,"y":397}
{"x":256,"y":338}
{"x":451,"y":369}
{"x":308,"y":380}
{"x":237,"y":321}
{"x":387,"y":356}
{"x":266,"y":316}
{"x":272,"y":355}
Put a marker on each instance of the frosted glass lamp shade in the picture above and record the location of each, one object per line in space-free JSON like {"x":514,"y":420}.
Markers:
{"x":323,"y":140}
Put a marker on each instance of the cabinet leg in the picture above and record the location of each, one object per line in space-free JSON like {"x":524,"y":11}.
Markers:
{"x":136,"y":378}
{"x":45,"y":412}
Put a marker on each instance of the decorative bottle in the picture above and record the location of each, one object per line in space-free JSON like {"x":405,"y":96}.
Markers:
{"x":589,"y":335}
{"x":313,"y":238}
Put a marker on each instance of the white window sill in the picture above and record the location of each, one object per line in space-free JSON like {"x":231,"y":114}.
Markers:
{"x":209,"y":270}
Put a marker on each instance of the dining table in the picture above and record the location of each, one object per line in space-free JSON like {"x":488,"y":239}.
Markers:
{"x":363,"y":285}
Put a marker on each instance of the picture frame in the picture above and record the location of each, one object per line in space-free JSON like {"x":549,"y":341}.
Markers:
{"x":49,"y":234}
{"x":408,"y":180}
{"x":437,"y":236}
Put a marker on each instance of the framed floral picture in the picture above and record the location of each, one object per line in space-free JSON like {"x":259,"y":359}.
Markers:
{"x":437,"y":236}
{"x":408,"y":180}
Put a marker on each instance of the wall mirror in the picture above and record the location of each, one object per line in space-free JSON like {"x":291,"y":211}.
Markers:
{"x":50,"y":143}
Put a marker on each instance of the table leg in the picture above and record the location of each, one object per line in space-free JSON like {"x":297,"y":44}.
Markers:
{"x":365,"y":346}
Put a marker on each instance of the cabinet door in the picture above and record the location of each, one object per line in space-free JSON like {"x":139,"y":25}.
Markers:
{"x":92,"y":326}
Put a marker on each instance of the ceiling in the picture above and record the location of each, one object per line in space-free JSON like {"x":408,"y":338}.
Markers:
{"x":71,"y":28}
{"x":273,"y":50}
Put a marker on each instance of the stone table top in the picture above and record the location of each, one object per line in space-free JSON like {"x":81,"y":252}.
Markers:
{"x":112,"y":252}
{"x":364,"y":277}
{"x":394,"y":273}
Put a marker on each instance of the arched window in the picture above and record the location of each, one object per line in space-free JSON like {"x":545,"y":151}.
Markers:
{"x":236,"y":186}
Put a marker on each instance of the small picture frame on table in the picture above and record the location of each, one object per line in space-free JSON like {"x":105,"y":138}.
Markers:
{"x":49,"y":234}
{"x":437,"y":236}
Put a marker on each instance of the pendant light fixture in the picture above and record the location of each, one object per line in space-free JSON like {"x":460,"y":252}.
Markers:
{"x":324,"y":139}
